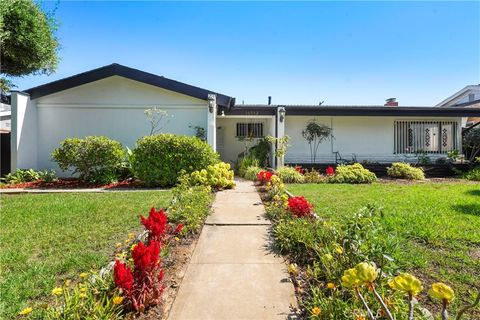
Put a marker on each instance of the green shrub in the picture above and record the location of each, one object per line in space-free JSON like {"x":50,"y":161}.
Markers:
{"x":96,"y":158}
{"x":218,"y":176}
{"x":190,"y":206}
{"x":354,"y":173}
{"x":405,"y":171}
{"x":245,"y":163}
{"x":261,"y":151}
{"x":290,"y":175}
{"x":159,"y":160}
{"x":21,"y":176}
{"x":47,"y":175}
{"x":473,"y":174}
{"x":251,"y":173}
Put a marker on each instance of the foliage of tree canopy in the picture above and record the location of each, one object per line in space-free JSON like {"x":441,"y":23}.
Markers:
{"x":471,"y":142}
{"x":28,"y":44}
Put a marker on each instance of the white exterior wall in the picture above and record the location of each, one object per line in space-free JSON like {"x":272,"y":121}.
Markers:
{"x":24,"y":132}
{"x":113,"y":107}
{"x":368,"y":138}
{"x":228,"y":145}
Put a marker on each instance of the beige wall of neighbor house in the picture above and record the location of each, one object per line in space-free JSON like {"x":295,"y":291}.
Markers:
{"x":113,"y":107}
{"x":366,"y":138}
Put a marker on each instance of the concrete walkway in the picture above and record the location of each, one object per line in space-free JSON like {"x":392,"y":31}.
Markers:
{"x":232,"y":273}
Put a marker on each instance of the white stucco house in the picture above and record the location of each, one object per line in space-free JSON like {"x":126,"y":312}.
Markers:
{"x":468,"y":97}
{"x":111,"y":101}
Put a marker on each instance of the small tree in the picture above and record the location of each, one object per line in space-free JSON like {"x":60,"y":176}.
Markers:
{"x":27,"y":40}
{"x":471,"y":142}
{"x":315,"y":134}
{"x":157,"y":118}
{"x":281,"y":146}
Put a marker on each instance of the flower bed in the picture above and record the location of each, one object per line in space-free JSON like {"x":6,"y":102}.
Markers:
{"x":346,"y":270}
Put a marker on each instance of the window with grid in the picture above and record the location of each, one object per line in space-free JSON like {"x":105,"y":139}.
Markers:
{"x":249,"y":130}
{"x":425,"y":136}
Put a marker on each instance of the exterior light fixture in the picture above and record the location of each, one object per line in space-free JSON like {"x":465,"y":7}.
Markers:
{"x":211,"y":102}
{"x":281,"y":113}
{"x":223,"y":113}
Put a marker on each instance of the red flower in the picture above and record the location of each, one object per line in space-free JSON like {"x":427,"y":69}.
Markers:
{"x":156,"y":224}
{"x":300,"y":169}
{"x":122,"y":276}
{"x":299,"y":207}
{"x":178,"y":229}
{"x":145,"y":257}
{"x":330,"y":171}
{"x":264,"y":176}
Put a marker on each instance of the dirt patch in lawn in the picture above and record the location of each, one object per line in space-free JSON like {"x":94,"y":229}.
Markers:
{"x":175,"y":266}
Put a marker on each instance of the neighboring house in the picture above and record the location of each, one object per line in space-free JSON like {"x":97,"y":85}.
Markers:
{"x":5,"y":113}
{"x":111,"y":101}
{"x":468,"y":97}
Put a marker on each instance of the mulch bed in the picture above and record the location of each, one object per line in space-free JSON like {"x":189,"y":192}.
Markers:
{"x":71,"y":183}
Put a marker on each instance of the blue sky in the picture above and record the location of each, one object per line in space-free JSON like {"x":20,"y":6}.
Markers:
{"x":299,"y":53}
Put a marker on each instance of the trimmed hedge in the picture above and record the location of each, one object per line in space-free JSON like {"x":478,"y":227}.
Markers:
{"x":159,"y":160}
{"x":405,"y":171}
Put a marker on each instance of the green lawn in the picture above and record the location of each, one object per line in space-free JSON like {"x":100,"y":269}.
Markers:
{"x":436,"y":224}
{"x":48,"y":237}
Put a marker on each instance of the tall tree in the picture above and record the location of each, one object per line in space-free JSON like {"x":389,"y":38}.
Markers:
{"x":28,"y":44}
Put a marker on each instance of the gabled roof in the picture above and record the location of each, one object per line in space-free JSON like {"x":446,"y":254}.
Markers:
{"x":332,"y":110}
{"x":116,"y":69}
{"x":458,"y":94}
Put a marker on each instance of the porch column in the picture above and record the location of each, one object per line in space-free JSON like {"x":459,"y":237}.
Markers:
{"x":280,"y":130}
{"x":211,"y":121}
{"x":24,"y":132}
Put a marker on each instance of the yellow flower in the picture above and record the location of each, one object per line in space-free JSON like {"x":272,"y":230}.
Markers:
{"x":407,"y":283}
{"x":131,"y":235}
{"x":177,"y":239}
{"x":67,"y":282}
{"x":359,"y":317}
{"x":327,"y":257}
{"x":330,"y":285}
{"x":25,"y":311}
{"x":127,"y":241}
{"x":292,"y":268}
{"x":83,"y":290}
{"x":442,"y":292}
{"x":57,"y":291}
{"x":366,"y":272}
{"x":338,"y":249}
{"x":117,"y":300}
{"x":316,"y":311}
{"x":82,"y":295}
{"x":133,"y":247}
{"x":83,"y":275}
{"x":118,"y":244}
{"x":350,"y":278}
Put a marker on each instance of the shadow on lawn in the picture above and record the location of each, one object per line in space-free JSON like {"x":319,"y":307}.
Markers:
{"x":470,"y":208}
{"x":474,"y":192}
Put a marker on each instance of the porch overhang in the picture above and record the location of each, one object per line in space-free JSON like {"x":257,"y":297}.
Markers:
{"x":368,"y":111}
